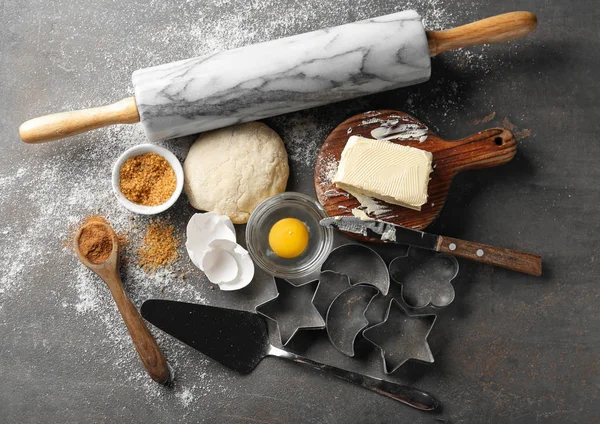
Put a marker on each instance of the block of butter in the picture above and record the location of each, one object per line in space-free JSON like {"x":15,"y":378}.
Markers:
{"x":384,"y":170}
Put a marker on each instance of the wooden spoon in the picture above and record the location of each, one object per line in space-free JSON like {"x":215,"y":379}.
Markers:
{"x":144,"y":342}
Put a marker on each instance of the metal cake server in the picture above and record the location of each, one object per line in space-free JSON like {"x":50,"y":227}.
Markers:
{"x":391,"y":233}
{"x":239,"y":340}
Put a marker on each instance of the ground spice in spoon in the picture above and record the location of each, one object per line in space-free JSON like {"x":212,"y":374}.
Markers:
{"x":147,"y":179}
{"x":95,"y":241}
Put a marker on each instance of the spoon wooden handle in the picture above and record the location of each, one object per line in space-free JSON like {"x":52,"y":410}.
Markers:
{"x":498,"y":256}
{"x":67,"y":124}
{"x":145,"y":344}
{"x":491,"y":30}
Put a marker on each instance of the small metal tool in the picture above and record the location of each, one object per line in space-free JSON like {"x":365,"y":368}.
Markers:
{"x":331,"y":284}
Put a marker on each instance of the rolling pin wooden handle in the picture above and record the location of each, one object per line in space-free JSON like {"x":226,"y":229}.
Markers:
{"x":67,"y":124}
{"x":485,"y":149}
{"x":145,"y":344}
{"x":491,"y":30}
{"x":498,"y":256}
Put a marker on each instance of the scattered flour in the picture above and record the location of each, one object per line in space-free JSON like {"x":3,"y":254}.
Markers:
{"x":186,"y":397}
{"x":60,"y":188}
{"x":331,"y":168}
{"x":303,"y":133}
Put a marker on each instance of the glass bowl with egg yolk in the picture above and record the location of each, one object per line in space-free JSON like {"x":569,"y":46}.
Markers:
{"x":284,"y":237}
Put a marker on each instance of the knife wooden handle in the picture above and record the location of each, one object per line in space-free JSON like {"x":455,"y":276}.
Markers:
{"x":145,"y":344}
{"x":491,"y":30}
{"x":67,"y":124}
{"x":498,"y":256}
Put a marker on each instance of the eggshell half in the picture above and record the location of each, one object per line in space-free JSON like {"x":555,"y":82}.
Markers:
{"x":245,"y":266}
{"x":202,"y":229}
{"x":219,"y":266}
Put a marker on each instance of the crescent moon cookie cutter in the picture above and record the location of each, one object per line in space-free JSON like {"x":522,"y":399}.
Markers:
{"x":346,"y":317}
{"x":352,"y":276}
{"x":331,"y":284}
{"x":361,"y":264}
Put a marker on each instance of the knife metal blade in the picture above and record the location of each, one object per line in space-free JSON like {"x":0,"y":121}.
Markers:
{"x":384,"y":231}
{"x":479,"y":252}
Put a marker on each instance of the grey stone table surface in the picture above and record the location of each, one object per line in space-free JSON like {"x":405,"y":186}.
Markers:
{"x":511,"y":348}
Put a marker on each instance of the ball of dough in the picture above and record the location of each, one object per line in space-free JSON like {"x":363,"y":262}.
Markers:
{"x":233,"y":169}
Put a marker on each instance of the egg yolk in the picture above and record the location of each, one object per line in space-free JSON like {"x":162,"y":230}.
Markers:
{"x":288,"y":238}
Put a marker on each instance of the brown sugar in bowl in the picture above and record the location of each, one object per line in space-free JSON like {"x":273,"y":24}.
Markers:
{"x":149,"y":195}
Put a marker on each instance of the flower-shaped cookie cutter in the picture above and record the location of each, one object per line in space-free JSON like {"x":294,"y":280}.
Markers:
{"x":426,"y":278}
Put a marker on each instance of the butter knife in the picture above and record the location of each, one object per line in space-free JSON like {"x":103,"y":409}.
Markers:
{"x":390,"y":233}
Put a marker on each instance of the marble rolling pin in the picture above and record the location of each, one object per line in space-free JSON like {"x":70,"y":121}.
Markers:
{"x":280,"y":76}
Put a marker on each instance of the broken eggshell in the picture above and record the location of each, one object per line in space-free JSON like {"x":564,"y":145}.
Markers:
{"x":229,"y":264}
{"x":212,"y":248}
{"x":204,"y":228}
{"x":219,"y":265}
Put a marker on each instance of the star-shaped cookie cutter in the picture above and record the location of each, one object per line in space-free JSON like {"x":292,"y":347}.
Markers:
{"x":401,"y":337}
{"x":292,"y":309}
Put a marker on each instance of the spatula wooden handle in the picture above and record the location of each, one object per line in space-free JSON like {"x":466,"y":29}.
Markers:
{"x":491,"y":30}
{"x":67,"y":124}
{"x":498,"y":256}
{"x":145,"y":344}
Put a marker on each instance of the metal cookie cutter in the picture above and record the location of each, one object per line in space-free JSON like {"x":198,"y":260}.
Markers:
{"x":346,"y":316}
{"x":426,"y":277}
{"x":401,"y":337}
{"x":331,"y":284}
{"x":362,"y":264}
{"x":292,"y":309}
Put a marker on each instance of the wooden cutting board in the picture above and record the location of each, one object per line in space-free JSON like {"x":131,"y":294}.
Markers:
{"x":485,"y":149}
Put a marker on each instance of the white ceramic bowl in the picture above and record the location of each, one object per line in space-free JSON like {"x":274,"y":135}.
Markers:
{"x":140,"y":150}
